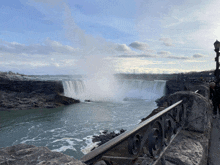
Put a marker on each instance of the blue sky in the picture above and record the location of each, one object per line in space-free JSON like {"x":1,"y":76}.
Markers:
{"x":123,"y":36}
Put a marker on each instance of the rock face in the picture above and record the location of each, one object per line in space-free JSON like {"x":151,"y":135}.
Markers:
{"x":23,"y":154}
{"x":192,"y":144}
{"x":173,"y":86}
{"x":20,"y":94}
{"x":198,"y":110}
{"x":188,"y":148}
{"x":105,"y":137}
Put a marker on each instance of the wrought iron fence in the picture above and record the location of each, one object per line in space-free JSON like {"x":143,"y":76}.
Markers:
{"x":145,"y":144}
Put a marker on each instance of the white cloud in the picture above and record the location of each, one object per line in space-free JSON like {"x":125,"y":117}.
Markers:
{"x":48,"y":47}
{"x":89,"y":44}
{"x":165,"y":53}
{"x":123,"y":48}
{"x":138,"y":56}
{"x":139,"y":45}
{"x":24,"y":63}
{"x":167,"y":41}
{"x":191,"y":60}
{"x":178,"y":57}
{"x":193,"y":23}
{"x":51,"y":2}
{"x":198,"y":55}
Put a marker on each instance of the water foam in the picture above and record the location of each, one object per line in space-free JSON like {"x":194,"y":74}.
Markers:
{"x":89,"y":144}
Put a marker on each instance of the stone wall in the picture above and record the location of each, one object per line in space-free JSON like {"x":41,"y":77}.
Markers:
{"x":198,"y":110}
{"x":192,"y":144}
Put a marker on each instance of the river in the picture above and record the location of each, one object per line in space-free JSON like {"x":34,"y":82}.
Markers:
{"x":69,"y":129}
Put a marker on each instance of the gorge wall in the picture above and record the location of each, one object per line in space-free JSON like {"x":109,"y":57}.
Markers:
{"x":29,"y":94}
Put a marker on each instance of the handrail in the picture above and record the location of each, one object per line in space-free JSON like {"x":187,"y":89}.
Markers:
{"x":124,"y":135}
{"x":196,"y":91}
{"x":118,"y":139}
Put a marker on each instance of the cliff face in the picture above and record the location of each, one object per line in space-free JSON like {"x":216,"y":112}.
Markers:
{"x":46,"y":87}
{"x":173,"y":86}
{"x":28,"y":94}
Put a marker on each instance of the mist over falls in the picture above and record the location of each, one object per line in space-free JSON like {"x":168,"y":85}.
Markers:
{"x":114,"y":90}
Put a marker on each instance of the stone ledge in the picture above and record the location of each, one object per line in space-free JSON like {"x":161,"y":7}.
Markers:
{"x":188,"y":148}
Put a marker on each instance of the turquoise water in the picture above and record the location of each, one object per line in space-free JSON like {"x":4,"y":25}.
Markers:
{"x":68,"y":129}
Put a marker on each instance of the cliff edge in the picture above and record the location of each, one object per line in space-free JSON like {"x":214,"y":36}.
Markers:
{"x":17,"y":92}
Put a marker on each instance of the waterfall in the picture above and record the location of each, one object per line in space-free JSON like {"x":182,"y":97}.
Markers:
{"x":120,"y":90}
{"x":142,"y":89}
{"x":73,"y":88}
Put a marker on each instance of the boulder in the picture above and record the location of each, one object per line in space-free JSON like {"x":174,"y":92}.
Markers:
{"x":23,"y":154}
{"x":106,"y":136}
{"x":65,"y":100}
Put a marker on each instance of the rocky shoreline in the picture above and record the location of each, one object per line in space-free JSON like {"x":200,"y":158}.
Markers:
{"x":19,"y":93}
{"x":24,"y":154}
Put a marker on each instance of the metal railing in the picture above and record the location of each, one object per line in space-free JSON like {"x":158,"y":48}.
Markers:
{"x":146,"y":143}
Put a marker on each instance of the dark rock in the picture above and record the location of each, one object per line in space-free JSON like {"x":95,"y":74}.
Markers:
{"x":23,"y":154}
{"x":46,"y":87}
{"x":155,"y":111}
{"x":19,"y":94}
{"x":173,"y":86}
{"x":105,"y":131}
{"x":103,"y":138}
{"x":122,"y":131}
{"x":65,"y":100}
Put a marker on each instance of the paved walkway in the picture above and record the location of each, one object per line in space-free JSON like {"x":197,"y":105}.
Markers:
{"x":214,"y":150}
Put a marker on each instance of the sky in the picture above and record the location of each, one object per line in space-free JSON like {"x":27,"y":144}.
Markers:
{"x":54,"y":37}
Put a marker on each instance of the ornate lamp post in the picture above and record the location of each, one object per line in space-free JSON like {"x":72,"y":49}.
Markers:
{"x":216,"y":73}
